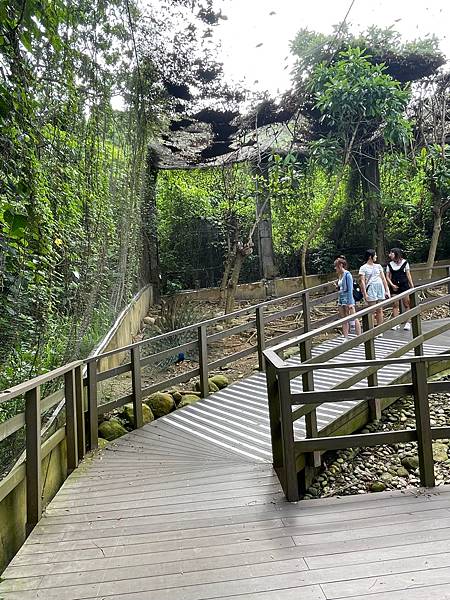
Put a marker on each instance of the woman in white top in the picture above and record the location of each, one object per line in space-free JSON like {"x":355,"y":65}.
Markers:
{"x":373,"y":283}
{"x":398,"y":275}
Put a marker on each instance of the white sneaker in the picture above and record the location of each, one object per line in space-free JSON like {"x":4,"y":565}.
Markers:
{"x":396,"y":328}
{"x":407,"y":326}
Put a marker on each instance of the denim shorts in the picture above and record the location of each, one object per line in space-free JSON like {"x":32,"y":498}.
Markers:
{"x":375,"y":292}
{"x":346,"y":299}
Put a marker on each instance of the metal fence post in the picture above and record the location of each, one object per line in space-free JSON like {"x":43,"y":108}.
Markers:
{"x":203,"y":360}
{"x":372,"y":379}
{"x":260,"y":337}
{"x":79,"y":410}
{"x":423,"y":427}
{"x":136,"y":386}
{"x":71,"y":421}
{"x":92,"y":404}
{"x":33,"y":457}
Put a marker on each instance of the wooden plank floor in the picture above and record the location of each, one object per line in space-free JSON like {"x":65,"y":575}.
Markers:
{"x":169,"y":513}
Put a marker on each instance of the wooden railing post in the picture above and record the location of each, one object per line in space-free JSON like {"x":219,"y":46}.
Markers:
{"x":287,"y":437}
{"x":71,"y":421}
{"x":448,"y":284}
{"x":79,"y":410}
{"x":33,"y":457}
{"x":306,"y":312}
{"x":260,"y":337}
{"x":372,"y":379}
{"x":136,"y":386}
{"x":203,"y":360}
{"x":423,"y":427}
{"x":273,"y":397}
{"x":313,"y":460}
{"x":92,"y":404}
{"x":416,"y":323}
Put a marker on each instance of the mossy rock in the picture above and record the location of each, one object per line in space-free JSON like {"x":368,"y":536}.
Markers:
{"x":161,"y":403}
{"x":102,"y":443}
{"x":439,"y":452}
{"x":128,"y":414}
{"x":188,"y":399}
{"x":177,"y":396}
{"x":377,"y":486}
{"x":410,"y":462}
{"x":111,"y":430}
{"x":220,"y":380}
{"x":212,"y":387}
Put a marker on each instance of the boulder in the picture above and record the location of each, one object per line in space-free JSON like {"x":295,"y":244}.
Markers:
{"x":410,"y":462}
{"x":188,"y":399}
{"x":161,"y":403}
{"x":128,"y":413}
{"x":439,"y":452}
{"x":111,"y":430}
{"x":212,"y":387}
{"x":386,"y":477}
{"x":177,"y":396}
{"x":102,"y":443}
{"x":220,"y":380}
{"x":377,"y":486}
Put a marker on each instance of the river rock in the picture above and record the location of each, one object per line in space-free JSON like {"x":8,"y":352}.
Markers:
{"x":377,"y":486}
{"x":111,"y":430}
{"x":410,"y":462}
{"x":149,"y":321}
{"x":102,"y":443}
{"x":402,"y":472}
{"x":386,"y":477}
{"x":161,"y":403}
{"x":439,"y":452}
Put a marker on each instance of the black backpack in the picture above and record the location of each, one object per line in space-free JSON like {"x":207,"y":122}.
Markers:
{"x":357,"y":293}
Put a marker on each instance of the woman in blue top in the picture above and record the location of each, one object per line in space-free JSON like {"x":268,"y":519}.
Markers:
{"x":346,"y":302}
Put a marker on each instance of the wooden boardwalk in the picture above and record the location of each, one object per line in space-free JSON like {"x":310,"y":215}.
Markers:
{"x":189,"y":508}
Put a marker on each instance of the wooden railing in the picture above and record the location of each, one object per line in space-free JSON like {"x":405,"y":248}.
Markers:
{"x":81,"y":393}
{"x":282,"y":402}
{"x":73,"y":432}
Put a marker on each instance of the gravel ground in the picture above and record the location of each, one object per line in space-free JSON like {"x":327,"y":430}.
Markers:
{"x":365,"y":470}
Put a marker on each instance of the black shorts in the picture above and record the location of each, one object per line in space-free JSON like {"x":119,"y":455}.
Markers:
{"x":400,"y":290}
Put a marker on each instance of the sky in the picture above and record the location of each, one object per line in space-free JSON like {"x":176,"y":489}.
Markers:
{"x":267,"y":66}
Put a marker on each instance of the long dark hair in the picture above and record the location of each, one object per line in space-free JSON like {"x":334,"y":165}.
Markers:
{"x":397,"y":252}
{"x":370,"y":253}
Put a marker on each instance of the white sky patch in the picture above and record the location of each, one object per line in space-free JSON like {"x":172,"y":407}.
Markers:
{"x":255,"y":44}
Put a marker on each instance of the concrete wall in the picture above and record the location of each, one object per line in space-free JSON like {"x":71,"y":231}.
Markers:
{"x":127,"y":325}
{"x":282,"y":286}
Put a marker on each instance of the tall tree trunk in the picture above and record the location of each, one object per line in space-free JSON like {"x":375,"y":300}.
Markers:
{"x":233,"y":281}
{"x":150,"y":256}
{"x":264,"y":226}
{"x":437,"y":226}
{"x":370,"y":183}
{"x":315,"y":227}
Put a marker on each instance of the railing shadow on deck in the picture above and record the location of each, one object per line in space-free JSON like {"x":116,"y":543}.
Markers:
{"x":287,"y":451}
{"x":79,"y":434}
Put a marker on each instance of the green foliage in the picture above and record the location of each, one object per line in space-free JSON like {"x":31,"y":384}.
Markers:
{"x":356,"y":98}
